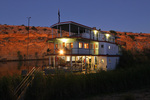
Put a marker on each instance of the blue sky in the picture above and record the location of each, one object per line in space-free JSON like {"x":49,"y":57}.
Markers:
{"x":118,"y":15}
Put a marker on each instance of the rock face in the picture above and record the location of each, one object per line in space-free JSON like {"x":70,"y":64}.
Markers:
{"x":133,"y":41}
{"x":14,"y":41}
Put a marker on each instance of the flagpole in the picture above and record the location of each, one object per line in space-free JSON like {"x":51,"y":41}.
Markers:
{"x":58,"y":16}
{"x":58,"y":21}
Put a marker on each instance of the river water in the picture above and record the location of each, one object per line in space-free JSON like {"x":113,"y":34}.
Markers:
{"x":16,"y":67}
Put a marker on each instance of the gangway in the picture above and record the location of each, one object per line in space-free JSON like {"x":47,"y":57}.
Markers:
{"x":20,"y":89}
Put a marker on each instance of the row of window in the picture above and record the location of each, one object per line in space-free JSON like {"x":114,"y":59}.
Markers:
{"x":86,"y":45}
{"x":81,"y":45}
{"x":68,"y":45}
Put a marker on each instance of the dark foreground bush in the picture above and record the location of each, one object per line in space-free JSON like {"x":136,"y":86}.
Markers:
{"x":7,"y":86}
{"x":69,"y":86}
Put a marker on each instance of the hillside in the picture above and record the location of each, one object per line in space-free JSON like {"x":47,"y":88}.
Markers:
{"x":132,"y":41}
{"x":14,"y":41}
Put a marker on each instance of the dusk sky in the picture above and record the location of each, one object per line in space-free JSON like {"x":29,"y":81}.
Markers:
{"x":118,"y":15}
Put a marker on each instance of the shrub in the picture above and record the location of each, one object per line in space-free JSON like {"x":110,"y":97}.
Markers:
{"x":6,"y":32}
{"x":112,"y":31}
{"x":33,"y":28}
{"x":7,"y":85}
{"x":44,"y":29}
{"x":126,"y":59}
{"x":27,"y":28}
{"x":19,"y":29}
{"x":19,"y":55}
{"x":36,"y":55}
{"x":125,"y":33}
{"x":70,"y":86}
{"x":132,"y":37}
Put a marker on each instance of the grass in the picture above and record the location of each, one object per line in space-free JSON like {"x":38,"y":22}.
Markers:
{"x":131,"y":74}
{"x":69,"y":86}
{"x":7,"y":85}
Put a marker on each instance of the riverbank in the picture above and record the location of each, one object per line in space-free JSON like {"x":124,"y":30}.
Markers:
{"x":9,"y":68}
{"x":23,"y":60}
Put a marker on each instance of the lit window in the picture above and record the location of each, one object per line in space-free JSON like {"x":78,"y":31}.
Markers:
{"x":96,"y":46}
{"x":68,"y":45}
{"x":85,"y":45}
{"x":73,"y":58}
{"x":68,"y":58}
{"x":80,"y":45}
{"x":108,"y":47}
{"x":71,"y":45}
{"x":63,"y":44}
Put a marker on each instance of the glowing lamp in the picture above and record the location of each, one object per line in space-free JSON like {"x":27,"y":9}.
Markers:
{"x":95,"y":31}
{"x":107,"y":35}
{"x":63,"y":40}
{"x":61,"y":52}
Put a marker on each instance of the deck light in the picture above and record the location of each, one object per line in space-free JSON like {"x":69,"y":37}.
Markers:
{"x":95,"y":31}
{"x":64,"y":40}
{"x":61,"y":52}
{"x":107,"y":35}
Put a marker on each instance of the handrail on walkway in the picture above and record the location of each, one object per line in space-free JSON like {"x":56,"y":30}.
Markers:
{"x":24,"y":83}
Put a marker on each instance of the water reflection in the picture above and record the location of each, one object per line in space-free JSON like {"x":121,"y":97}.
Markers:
{"x":16,"y":67}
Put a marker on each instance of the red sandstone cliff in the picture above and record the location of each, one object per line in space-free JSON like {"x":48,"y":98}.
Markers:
{"x":14,"y":41}
{"x":133,"y":41}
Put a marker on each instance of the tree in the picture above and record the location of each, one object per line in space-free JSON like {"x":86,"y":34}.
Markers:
{"x":114,"y":32}
{"x":125,"y":33}
{"x":132,"y":37}
{"x":27,"y":28}
{"x":19,"y":55}
{"x":33,"y":28}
